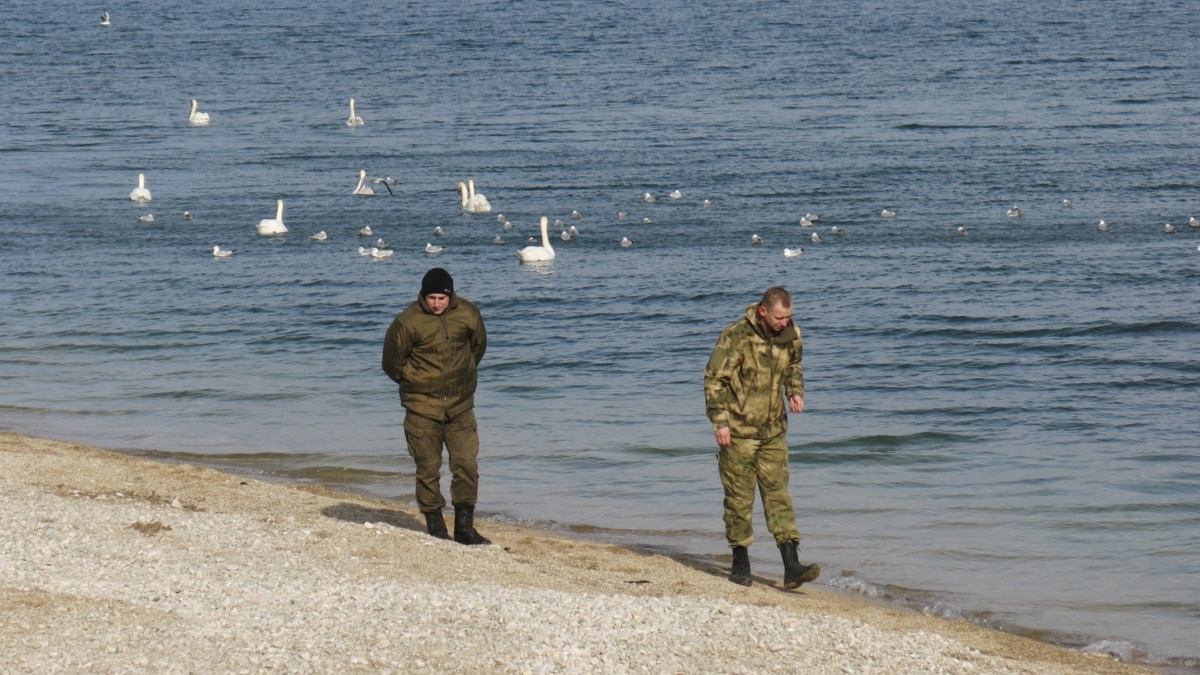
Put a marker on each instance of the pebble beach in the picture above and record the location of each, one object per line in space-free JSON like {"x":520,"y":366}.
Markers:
{"x":115,"y":564}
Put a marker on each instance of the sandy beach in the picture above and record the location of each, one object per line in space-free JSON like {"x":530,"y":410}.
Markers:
{"x":111,"y":563}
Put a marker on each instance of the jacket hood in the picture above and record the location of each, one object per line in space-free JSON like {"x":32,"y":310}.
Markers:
{"x":783,"y":337}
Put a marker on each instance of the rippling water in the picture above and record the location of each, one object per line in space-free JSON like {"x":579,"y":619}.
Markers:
{"x":1000,"y":426}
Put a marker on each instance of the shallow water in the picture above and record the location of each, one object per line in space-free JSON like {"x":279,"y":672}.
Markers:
{"x":999,"y":426}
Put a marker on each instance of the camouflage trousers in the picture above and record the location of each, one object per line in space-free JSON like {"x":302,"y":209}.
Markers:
{"x":747,"y":463}
{"x":425,"y":439}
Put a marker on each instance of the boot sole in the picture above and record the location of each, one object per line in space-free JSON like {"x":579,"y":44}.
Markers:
{"x":810,"y":574}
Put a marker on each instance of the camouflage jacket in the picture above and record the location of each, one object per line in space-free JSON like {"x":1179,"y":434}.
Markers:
{"x":434,"y":358}
{"x":748,"y":376}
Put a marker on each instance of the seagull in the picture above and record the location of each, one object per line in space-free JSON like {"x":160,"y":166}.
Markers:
{"x":364,"y":251}
{"x":140,"y":193}
{"x":497,"y":239}
{"x":1192,"y":222}
{"x":500,"y":218}
{"x":104,"y":20}
{"x":573,"y":230}
{"x":755,"y":239}
{"x":625,"y":243}
{"x":508,"y":226}
{"x":362,"y":190}
{"x":566,"y":236}
{"x":647,"y":220}
{"x":816,"y":238}
{"x":708,"y":203}
{"x":1104,"y":227}
{"x":812,"y":217}
{"x":365,"y":231}
{"x":381,"y":244}
{"x":198,"y":119}
{"x":1067,"y":203}
{"x":219,"y":252}
{"x":187,"y":215}
{"x":437,"y":231}
{"x":676,"y":195}
{"x":433,"y":250}
{"x":961,"y":230}
{"x":148,"y":218}
{"x":1014,"y":212}
{"x":792,"y":252}
{"x":622,"y":215}
{"x":559,"y":224}
{"x":805,"y":221}
{"x":575,"y":215}
{"x":382,"y":253}
{"x":320,"y":236}
{"x":649,"y":198}
{"x":385,"y":182}
{"x":887,"y":213}
{"x":353,"y":120}
{"x":836,"y":231}
{"x":1169,"y":229}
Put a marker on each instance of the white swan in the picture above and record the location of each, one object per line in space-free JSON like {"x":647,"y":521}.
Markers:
{"x":1014,"y":212}
{"x":542,"y":253}
{"x":219,"y":252}
{"x":433,"y":250}
{"x":755,"y":239}
{"x":625,"y":243}
{"x":140,"y":193}
{"x":887,"y":213}
{"x":198,"y":119}
{"x":268,"y":226}
{"x":320,"y":236}
{"x":362,"y":190}
{"x":104,"y":20}
{"x":471,"y":202}
{"x":792,"y":252}
{"x":353,"y":120}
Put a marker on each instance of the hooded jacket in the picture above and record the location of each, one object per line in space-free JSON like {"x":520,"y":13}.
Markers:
{"x":748,"y":376}
{"x":434,"y":358}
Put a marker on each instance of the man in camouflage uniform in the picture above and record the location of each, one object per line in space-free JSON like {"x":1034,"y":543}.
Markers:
{"x":755,"y":364}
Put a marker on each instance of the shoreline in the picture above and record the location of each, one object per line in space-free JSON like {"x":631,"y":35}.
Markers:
{"x":118,"y":563}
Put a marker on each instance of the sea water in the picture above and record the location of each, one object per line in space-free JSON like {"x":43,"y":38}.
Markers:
{"x":1000,"y":426}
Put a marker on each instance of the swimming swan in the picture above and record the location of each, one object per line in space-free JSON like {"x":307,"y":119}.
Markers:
{"x":268,"y":226}
{"x":362,"y":190}
{"x":198,"y":119}
{"x":353,"y":120}
{"x":542,"y":253}
{"x":471,"y":202}
{"x":140,"y":193}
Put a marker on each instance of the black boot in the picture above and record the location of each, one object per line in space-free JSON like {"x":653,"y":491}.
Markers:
{"x":464,"y":526}
{"x":740,"y":574}
{"x":436,"y":525}
{"x":795,"y":573}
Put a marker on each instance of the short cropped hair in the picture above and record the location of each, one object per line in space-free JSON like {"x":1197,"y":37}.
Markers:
{"x":776,"y":296}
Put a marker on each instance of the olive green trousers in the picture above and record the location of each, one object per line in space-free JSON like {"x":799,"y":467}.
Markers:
{"x":748,"y":463}
{"x":460,"y":436}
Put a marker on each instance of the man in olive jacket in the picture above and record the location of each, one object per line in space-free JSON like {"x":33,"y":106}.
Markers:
{"x":755,"y":365}
{"x":432,"y":350}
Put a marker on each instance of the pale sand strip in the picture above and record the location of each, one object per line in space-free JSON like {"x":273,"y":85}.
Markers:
{"x":110,"y":563}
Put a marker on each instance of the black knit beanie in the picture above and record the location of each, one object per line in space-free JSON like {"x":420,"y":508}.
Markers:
{"x":437,"y":280}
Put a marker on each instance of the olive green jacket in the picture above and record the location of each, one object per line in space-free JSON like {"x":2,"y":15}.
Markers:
{"x":434,"y":358}
{"x":748,"y":376}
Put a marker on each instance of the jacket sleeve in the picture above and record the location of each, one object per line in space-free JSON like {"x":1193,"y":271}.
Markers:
{"x":478,"y":339}
{"x":717,"y":375}
{"x":794,"y":378}
{"x":397,"y":347}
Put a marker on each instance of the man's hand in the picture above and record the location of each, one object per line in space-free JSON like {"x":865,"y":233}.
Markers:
{"x":796,"y":404}
{"x":724,"y":439}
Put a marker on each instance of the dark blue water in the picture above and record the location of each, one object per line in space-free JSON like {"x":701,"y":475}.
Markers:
{"x":1000,"y":425}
